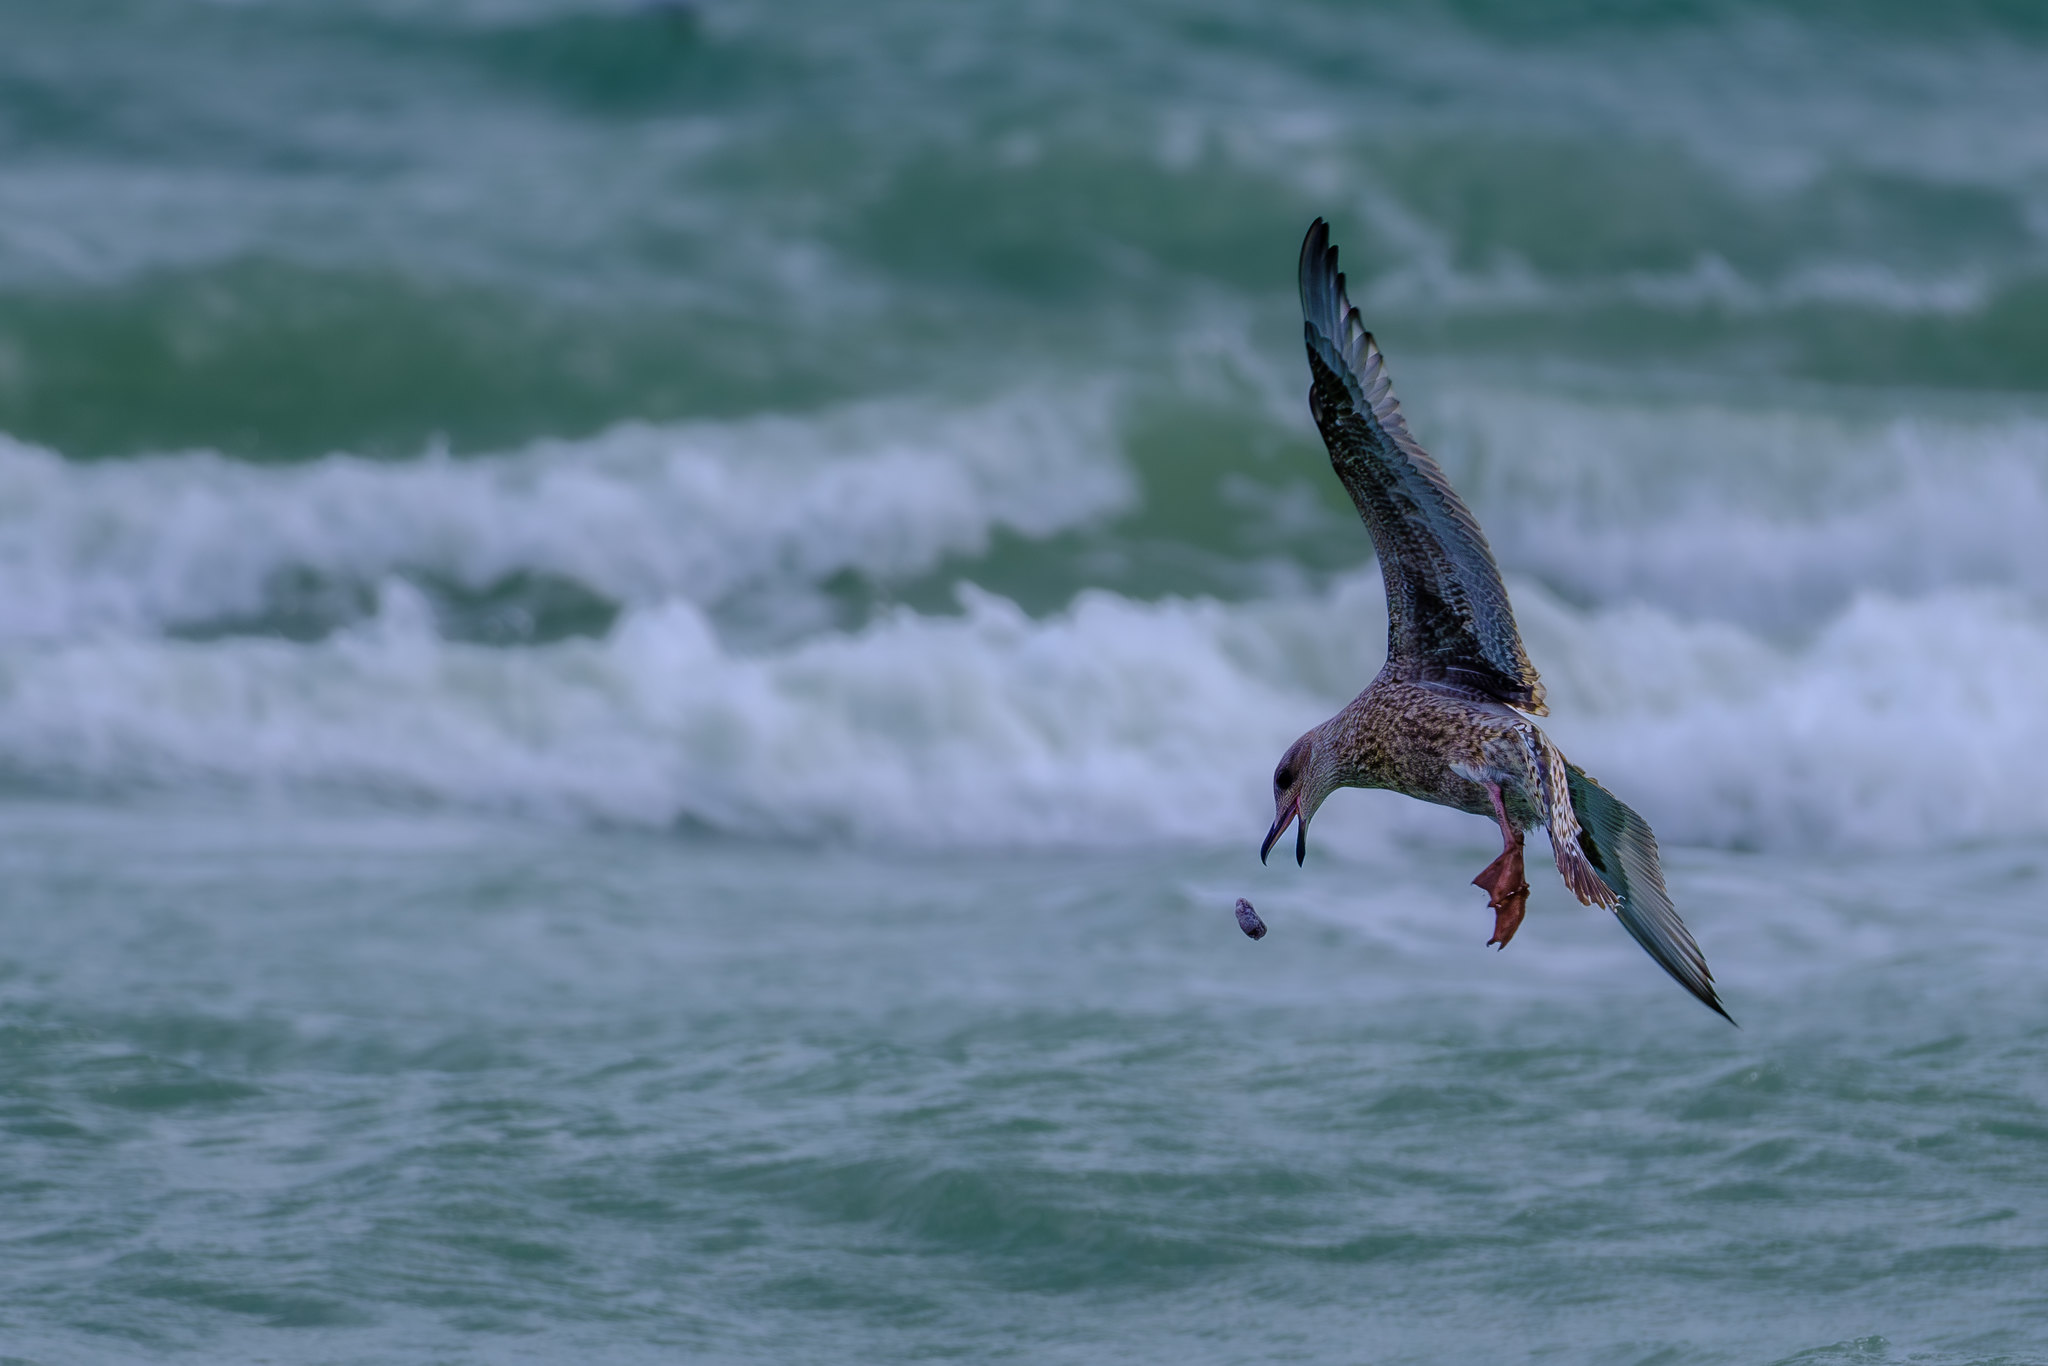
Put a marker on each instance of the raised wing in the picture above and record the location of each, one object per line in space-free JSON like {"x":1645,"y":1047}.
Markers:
{"x":1448,"y":618}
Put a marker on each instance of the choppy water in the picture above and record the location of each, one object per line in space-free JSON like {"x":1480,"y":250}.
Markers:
{"x":640,"y":647}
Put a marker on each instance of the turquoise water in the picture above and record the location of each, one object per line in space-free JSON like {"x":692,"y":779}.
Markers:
{"x":640,"y":648}
{"x":381,"y":1088}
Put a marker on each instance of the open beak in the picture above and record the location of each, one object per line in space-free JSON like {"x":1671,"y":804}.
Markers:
{"x":1280,"y":827}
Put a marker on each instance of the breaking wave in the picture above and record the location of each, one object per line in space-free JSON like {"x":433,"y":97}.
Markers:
{"x":1834,"y":644}
{"x":702,"y":511}
{"x":1770,"y":517}
{"x":1901,"y":722}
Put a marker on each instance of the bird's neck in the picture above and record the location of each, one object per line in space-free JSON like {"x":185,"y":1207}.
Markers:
{"x":1344,"y":749}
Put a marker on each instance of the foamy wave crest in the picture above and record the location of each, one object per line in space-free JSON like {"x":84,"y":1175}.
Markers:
{"x":1901,"y":723}
{"x":1430,"y":280}
{"x":1776,"y":519}
{"x":637,"y":514}
{"x":1113,"y":720}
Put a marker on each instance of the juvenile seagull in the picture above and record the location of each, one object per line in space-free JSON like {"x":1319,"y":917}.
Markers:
{"x":1447,"y":720}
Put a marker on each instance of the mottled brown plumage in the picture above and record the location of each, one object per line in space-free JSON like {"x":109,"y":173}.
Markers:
{"x":1447,"y":720}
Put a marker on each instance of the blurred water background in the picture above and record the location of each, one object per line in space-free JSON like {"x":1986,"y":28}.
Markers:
{"x":641,"y":644}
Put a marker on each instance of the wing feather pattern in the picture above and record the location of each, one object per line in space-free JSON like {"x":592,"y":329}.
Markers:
{"x":1448,"y":618}
{"x":1622,"y":850}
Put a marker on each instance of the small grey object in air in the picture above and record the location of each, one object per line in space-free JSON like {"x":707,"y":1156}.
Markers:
{"x":1248,"y":920}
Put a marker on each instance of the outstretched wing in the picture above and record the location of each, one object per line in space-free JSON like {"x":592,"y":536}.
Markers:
{"x":1619,"y":845}
{"x":1448,"y":618}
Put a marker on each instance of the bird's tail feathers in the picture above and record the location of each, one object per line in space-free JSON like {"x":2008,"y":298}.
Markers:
{"x":1547,"y":766}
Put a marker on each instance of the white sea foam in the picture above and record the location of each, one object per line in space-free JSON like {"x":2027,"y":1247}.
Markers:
{"x":636,"y":514}
{"x":1901,"y":722}
{"x":1773,"y":513}
{"x":1430,"y":280}
{"x":1113,"y":720}
{"x":1793,"y":630}
{"x":1770,"y":517}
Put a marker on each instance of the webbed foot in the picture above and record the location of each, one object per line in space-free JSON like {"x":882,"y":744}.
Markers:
{"x":1507,"y":892}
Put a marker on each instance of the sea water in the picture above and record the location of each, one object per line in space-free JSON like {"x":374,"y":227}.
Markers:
{"x":641,"y":647}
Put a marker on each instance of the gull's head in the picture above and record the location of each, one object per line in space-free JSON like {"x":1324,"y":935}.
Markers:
{"x":1299,"y":787}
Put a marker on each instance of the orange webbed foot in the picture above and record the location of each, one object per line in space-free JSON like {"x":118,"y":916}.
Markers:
{"x":1507,"y":892}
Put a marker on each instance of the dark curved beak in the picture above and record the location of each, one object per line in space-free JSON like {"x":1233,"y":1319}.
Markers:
{"x":1279,"y":827}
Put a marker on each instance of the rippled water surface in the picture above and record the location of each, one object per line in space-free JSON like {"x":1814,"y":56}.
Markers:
{"x":368,"y":1088}
{"x":641,"y":644}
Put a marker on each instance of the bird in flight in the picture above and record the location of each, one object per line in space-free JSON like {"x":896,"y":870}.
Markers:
{"x":1447,"y":719}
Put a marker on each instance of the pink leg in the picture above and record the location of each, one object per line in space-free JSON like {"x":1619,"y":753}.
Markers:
{"x":1507,"y":891}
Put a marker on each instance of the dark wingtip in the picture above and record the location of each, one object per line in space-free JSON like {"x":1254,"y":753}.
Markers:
{"x":1701,"y":986}
{"x":1689,"y":969}
{"x":1693,"y":975}
{"x":1319,"y":281}
{"x":1314,"y":245}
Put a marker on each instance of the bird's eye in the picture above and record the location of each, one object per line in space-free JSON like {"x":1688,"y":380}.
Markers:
{"x":1284,"y":778}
